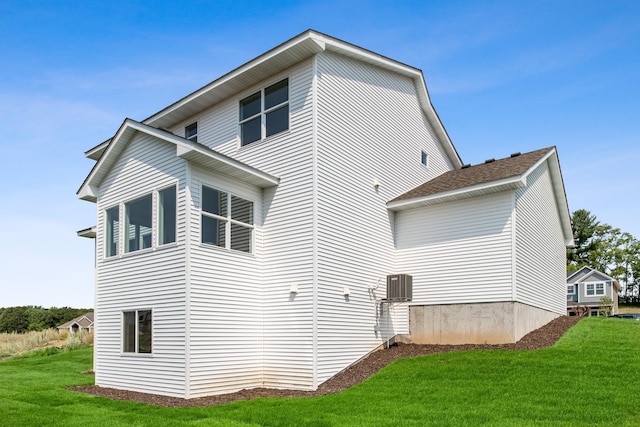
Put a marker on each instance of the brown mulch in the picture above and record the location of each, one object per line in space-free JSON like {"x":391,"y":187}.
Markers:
{"x":545,"y":336}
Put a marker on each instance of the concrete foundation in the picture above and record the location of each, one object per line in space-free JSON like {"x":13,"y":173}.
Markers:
{"x":479,"y":323}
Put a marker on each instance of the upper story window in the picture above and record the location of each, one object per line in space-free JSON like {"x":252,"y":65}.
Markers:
{"x":424,"y":158}
{"x":112,"y":235}
{"x":595,"y":289}
{"x":140,"y":224}
{"x":264,"y":113}
{"x":227,"y":220}
{"x":571,"y":289}
{"x":138,"y":218}
{"x":191,"y":132}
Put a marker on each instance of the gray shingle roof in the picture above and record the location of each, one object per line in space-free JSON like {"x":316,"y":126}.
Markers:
{"x":491,"y":171}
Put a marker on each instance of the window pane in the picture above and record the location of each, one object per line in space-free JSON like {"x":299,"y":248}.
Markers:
{"x":113,"y":231}
{"x":277,"y":120}
{"x":250,"y":106}
{"x":213,"y":231}
{"x":138,"y":224}
{"x":240,"y":238}
{"x":214,"y":201}
{"x":276,"y":94}
{"x":167,"y":214}
{"x":250,"y":131}
{"x":600,"y":288}
{"x":129,"y":332}
{"x":590,"y":290}
{"x":241,"y":210}
{"x":191,"y":132}
{"x":144,"y":331}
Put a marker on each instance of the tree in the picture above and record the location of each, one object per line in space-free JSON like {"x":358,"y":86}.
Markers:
{"x":584,"y":228}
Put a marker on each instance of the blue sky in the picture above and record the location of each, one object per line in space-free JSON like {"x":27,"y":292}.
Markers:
{"x":504,"y":76}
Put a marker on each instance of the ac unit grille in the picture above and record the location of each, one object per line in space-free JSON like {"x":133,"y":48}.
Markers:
{"x":399,"y":287}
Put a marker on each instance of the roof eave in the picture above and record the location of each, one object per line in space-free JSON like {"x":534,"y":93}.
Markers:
{"x":510,"y":183}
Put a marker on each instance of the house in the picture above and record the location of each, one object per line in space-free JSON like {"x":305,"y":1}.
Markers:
{"x":246,"y":233}
{"x":79,"y":324}
{"x":585,"y":289}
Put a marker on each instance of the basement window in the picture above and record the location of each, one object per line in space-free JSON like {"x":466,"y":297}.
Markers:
{"x":136,"y":331}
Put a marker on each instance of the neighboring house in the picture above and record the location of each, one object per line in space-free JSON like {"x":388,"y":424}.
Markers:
{"x":80,"y":323}
{"x":586,"y":287}
{"x":246,"y":232}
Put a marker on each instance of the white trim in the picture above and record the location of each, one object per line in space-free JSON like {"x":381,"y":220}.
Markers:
{"x":314,"y":232}
{"x":595,"y":289}
{"x":262,"y":114}
{"x":157,"y":212}
{"x":187,"y":256}
{"x":573,"y":288}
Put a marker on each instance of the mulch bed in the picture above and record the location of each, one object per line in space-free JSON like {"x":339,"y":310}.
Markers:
{"x":545,"y":336}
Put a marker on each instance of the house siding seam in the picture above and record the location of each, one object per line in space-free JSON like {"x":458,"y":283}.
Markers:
{"x":539,"y":243}
{"x":458,"y":252}
{"x":150,"y":279}
{"x":370,"y":127}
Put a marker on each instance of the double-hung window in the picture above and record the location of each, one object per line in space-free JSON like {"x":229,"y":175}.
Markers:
{"x":264,"y":113}
{"x":227,"y":220}
{"x":136,"y":331}
{"x":595,"y":289}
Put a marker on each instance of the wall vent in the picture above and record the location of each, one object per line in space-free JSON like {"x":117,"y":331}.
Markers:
{"x":399,"y":287}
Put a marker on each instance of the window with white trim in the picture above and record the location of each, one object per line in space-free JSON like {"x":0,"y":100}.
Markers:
{"x":226,"y":220}
{"x":167,"y":215}
{"x":264,"y":113}
{"x":593,"y":289}
{"x":571,"y":289}
{"x":112,"y":234}
{"x":137,"y":331}
{"x":424,"y":159}
{"x":138,"y":224}
{"x":191,"y":132}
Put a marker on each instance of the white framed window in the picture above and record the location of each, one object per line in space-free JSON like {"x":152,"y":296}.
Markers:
{"x":424,"y":158}
{"x":138,"y":224}
{"x":167,"y":211}
{"x":137,"y":331}
{"x":112,"y":231}
{"x":191,"y":132}
{"x":226,"y":220}
{"x":593,"y":289}
{"x":264,"y":113}
{"x":571,"y":289}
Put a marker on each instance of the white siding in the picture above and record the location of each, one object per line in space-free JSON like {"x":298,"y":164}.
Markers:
{"x":458,"y":252}
{"x":150,"y":279}
{"x":369,"y":127}
{"x":286,"y":245}
{"x":225,"y":302}
{"x":540,"y":250}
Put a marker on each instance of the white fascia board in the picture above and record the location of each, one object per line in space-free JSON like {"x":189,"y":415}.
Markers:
{"x":578,"y":271}
{"x":87,"y":232}
{"x":459,"y":194}
{"x":95,"y":152}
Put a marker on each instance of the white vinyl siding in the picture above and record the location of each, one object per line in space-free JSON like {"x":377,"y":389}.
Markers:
{"x":540,"y":250}
{"x":458,"y":252}
{"x":152,"y":279}
{"x":283,"y":256}
{"x":370,"y":128}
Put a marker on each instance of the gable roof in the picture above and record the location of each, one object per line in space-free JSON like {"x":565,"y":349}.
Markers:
{"x":586,"y":273}
{"x":84,"y":321}
{"x":279,"y":58}
{"x":490,"y":177}
{"x":186,"y":149}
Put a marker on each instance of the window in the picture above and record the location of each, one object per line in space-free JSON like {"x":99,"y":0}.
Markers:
{"x":136,"y":331}
{"x":138,"y":227}
{"x":113,"y":231}
{"x":191,"y":132}
{"x":167,"y":216}
{"x":571,"y":289}
{"x":258,"y":119}
{"x":595,"y":289}
{"x":425,"y":159}
{"x":227,"y":220}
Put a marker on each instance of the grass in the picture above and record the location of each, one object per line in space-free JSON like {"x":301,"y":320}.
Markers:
{"x":12,"y":344}
{"x":590,"y":377}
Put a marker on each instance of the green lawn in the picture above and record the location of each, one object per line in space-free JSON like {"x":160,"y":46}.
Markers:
{"x":590,"y":377}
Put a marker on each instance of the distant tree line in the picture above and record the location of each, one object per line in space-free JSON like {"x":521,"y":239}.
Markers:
{"x":607,"y":249}
{"x":36,"y":318}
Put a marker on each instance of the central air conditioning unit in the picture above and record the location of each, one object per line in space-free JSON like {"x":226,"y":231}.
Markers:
{"x":399,"y":287}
